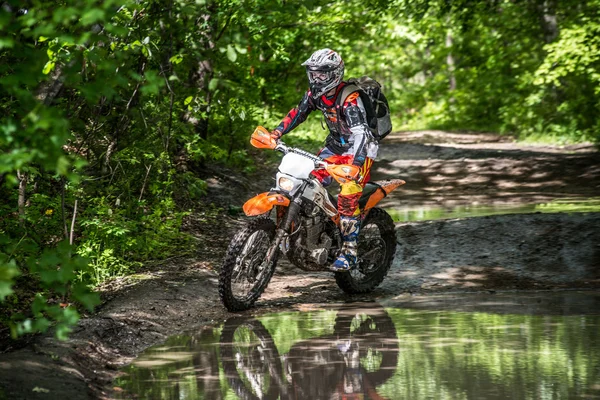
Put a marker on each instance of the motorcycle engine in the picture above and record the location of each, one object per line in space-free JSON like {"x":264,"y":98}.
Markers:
{"x":311,"y":245}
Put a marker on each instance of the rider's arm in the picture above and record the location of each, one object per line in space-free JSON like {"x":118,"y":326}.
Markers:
{"x":356,"y":119}
{"x":297,"y":115}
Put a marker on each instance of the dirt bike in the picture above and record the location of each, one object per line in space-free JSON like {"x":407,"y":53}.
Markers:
{"x":305,"y":229}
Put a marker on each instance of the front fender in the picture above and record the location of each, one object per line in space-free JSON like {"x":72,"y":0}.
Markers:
{"x":264,"y":202}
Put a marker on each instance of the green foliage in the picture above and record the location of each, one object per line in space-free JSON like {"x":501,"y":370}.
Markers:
{"x":54,"y":269}
{"x":8,"y":271}
{"x":117,"y":240}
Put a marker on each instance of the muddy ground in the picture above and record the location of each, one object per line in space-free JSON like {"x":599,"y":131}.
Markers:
{"x":496,"y":253}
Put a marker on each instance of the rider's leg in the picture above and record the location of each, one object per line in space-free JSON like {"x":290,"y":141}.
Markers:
{"x":350,"y":219}
{"x":322,"y":175}
{"x":349,"y":225}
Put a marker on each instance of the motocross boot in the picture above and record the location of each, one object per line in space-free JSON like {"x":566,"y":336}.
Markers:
{"x":349,"y":227}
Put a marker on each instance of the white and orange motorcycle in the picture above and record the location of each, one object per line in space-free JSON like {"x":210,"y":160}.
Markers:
{"x":304,"y":227}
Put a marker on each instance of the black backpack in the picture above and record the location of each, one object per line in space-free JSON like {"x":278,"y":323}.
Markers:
{"x":375,"y":103}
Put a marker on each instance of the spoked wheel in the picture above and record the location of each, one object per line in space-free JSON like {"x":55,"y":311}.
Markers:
{"x":250,"y":360}
{"x":245,"y":273}
{"x":376,"y":248}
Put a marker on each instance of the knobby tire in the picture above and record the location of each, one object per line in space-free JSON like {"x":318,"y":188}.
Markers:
{"x":346,"y":281}
{"x":236,"y":247}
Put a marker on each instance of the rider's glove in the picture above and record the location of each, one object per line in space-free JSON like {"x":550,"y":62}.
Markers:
{"x":275,"y":134}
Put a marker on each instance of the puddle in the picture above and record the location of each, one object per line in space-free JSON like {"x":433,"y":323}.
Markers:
{"x":466,"y":211}
{"x":517,"y":346}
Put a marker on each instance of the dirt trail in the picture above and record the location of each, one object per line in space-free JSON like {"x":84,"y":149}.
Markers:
{"x":515,"y":252}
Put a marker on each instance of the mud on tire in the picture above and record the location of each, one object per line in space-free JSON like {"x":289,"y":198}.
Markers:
{"x":376,"y":249}
{"x":244,"y":265}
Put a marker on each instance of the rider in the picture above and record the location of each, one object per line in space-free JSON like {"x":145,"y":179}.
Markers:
{"x":349,"y":141}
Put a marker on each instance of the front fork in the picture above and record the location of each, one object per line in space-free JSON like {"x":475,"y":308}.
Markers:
{"x":293,"y":211}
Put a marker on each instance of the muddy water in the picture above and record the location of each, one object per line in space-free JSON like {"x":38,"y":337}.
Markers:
{"x":409,"y":214}
{"x":517,"y":346}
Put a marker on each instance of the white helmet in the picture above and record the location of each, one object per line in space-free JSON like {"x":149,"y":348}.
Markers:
{"x":325,"y":70}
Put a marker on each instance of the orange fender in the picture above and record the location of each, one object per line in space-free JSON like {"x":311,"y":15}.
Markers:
{"x":264,"y":202}
{"x":388,"y":187}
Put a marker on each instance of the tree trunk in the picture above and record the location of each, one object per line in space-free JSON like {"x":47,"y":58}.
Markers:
{"x":22,"y":195}
{"x":450,"y":61}
{"x":201,"y":76}
{"x":112,"y":145}
{"x":548,"y":21}
{"x":48,"y":90}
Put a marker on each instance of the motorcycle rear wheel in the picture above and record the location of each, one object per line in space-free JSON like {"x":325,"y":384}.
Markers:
{"x":245,"y":274}
{"x":376,"y":249}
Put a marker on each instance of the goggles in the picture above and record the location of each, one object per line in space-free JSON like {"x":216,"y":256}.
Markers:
{"x":319,"y":76}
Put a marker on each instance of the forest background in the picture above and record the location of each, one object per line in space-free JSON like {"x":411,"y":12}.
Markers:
{"x":112,"y":110}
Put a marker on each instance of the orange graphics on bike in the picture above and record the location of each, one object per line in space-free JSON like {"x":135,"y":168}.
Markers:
{"x":385,"y":188}
{"x":343,"y":172}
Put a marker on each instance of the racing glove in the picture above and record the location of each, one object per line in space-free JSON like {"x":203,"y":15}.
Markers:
{"x":275,"y":134}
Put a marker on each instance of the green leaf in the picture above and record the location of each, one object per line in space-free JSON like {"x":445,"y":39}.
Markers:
{"x":92,"y":16}
{"x":176,"y":59}
{"x":48,"y":67}
{"x":6,"y":43}
{"x":231,"y":54}
{"x":153,"y":83}
{"x":62,"y":165}
{"x":241,"y":49}
{"x":39,"y":305}
{"x":85,"y":296}
{"x":5,"y":290}
{"x":188,"y":100}
{"x":212,"y":85}
{"x":8,"y":271}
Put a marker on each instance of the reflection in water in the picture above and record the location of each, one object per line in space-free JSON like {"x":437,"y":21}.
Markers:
{"x":360,"y":354}
{"x":481,"y":210}
{"x":368,"y":352}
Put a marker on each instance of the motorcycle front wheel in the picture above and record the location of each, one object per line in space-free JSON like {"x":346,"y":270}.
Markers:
{"x":376,"y":249}
{"x":245,"y":273}
{"x":250,"y":360}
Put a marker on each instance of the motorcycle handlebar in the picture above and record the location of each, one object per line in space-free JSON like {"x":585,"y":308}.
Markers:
{"x":319,"y":162}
